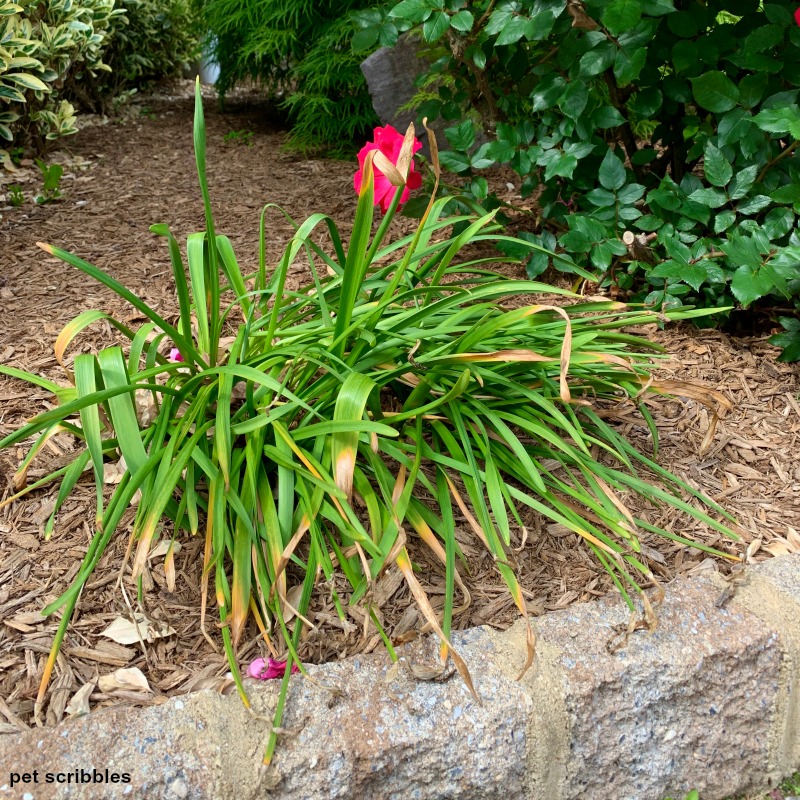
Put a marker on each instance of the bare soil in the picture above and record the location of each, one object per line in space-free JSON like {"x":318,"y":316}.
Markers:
{"x":120,"y":178}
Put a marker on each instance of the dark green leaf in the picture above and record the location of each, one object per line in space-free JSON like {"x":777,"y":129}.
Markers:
{"x":412,"y":10}
{"x":742,"y":251}
{"x":780,"y":120}
{"x":461,"y":136}
{"x":777,"y":14}
{"x":462,"y":21}
{"x":540,"y":25}
{"x":579,"y":149}
{"x":478,"y":56}
{"x":548,"y":91}
{"x":646,"y":103}
{"x":713,"y":198}
{"x":512,"y":31}
{"x":733,"y":126}
{"x":365,"y":38}
{"x":724,"y":220}
{"x":612,"y":171}
{"x":787,"y":194}
{"x":649,"y":222}
{"x":574,"y":99}
{"x":752,"y":205}
{"x":742,"y":182}
{"x":607,"y":117}
{"x":749,"y":285}
{"x":435,"y":26}
{"x":621,"y":15}
{"x":629,"y":194}
{"x":685,"y":55}
{"x":500,"y":151}
{"x":683,"y":24}
{"x":718,"y":170}
{"x":497,"y":21}
{"x":778,"y":222}
{"x":454,"y":162}
{"x":763,"y":38}
{"x":601,"y":198}
{"x":598,"y":59}
{"x":629,"y":65}
{"x":752,"y":88}
{"x":790,"y":342}
{"x":715,"y":91}
{"x":677,"y":249}
{"x":560,"y":164}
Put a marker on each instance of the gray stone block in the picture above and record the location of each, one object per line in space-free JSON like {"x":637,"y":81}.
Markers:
{"x":771,"y":592}
{"x":687,"y":707}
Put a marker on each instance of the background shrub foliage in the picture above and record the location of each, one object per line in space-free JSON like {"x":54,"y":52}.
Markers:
{"x":41,"y":45}
{"x":676,"y":121}
{"x":58,"y":51}
{"x":300,"y":52}
{"x":151,"y":40}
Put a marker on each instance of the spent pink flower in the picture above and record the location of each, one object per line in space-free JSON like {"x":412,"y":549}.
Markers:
{"x":175,"y":355}
{"x":266,"y":669}
{"x":389,"y":142}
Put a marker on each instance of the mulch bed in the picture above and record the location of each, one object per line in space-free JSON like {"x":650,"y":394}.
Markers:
{"x":120,"y":178}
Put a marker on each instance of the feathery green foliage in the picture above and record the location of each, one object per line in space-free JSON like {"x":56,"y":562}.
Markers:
{"x":300,"y":51}
{"x":395,"y":374}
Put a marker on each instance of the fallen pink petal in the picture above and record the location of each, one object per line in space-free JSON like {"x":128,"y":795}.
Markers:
{"x":266,"y":669}
{"x":175,"y":355}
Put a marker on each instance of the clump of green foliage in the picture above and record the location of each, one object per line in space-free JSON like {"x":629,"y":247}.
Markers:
{"x":297,"y":449}
{"x":299,"y":51}
{"x":15,"y":195}
{"x":660,"y":137}
{"x":151,"y":40}
{"x":244,"y":137}
{"x":51,"y":182}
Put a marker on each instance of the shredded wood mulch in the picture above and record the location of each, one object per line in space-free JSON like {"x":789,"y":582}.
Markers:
{"x":122,"y":177}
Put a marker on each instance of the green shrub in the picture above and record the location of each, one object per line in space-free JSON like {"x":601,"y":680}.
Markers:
{"x":674,"y":122}
{"x":300,"y":52}
{"x":42,"y":46}
{"x":153,"y":39}
{"x":298,"y":447}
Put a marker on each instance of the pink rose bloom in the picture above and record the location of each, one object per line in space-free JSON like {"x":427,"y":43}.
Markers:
{"x":389,"y":142}
{"x":797,"y":16}
{"x":175,"y":355}
{"x":266,"y":669}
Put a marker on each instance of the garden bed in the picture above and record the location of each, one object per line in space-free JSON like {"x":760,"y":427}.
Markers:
{"x":121,"y":178}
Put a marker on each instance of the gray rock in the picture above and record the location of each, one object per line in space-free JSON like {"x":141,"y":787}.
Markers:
{"x":390,"y":74}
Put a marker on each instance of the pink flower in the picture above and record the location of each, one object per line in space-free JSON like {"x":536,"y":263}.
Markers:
{"x":797,"y":16}
{"x":266,"y":669}
{"x":389,"y":142}
{"x":175,"y":355}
